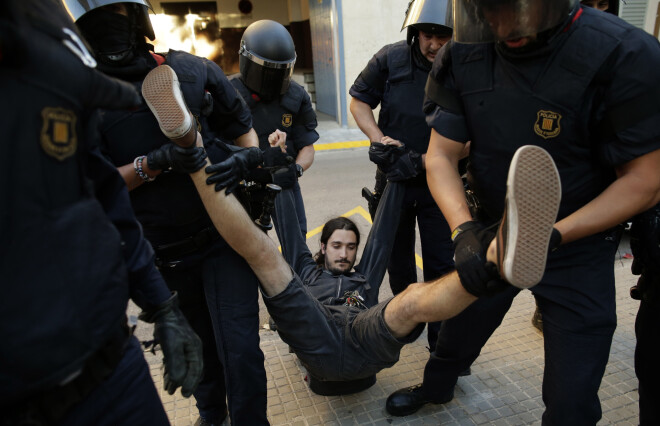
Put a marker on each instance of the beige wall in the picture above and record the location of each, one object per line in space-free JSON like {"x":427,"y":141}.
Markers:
{"x":368,"y":26}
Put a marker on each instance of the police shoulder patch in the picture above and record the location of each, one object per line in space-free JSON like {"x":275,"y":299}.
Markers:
{"x":547,"y":124}
{"x":58,"y":132}
{"x":287,"y":120}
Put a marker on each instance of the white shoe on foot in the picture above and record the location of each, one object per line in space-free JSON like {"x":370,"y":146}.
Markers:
{"x":531,"y":206}
{"x":163,"y":95}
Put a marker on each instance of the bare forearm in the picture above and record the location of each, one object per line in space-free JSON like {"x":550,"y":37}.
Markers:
{"x":637,"y":189}
{"x":247,"y":140}
{"x":364,"y":117}
{"x":306,"y":157}
{"x":444,"y":181}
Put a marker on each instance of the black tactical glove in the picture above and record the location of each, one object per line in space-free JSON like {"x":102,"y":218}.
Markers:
{"x":645,"y":245}
{"x":407,"y":166}
{"x":385,"y":155}
{"x":285,"y":177}
{"x":478,"y":276}
{"x":234,"y":169}
{"x":274,"y":157}
{"x":178,"y":159}
{"x":259,"y":175}
{"x":182,"y":349}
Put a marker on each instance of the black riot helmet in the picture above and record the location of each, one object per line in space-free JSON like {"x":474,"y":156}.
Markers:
{"x":112,"y":35}
{"x":266,"y":58}
{"x":429,"y":16}
{"x":479,"y":21}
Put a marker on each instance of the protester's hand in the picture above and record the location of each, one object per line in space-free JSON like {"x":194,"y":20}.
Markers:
{"x":385,"y":155}
{"x":407,"y":166}
{"x":178,"y":159}
{"x":478,"y":276}
{"x":182,"y":349}
{"x":234,"y":169}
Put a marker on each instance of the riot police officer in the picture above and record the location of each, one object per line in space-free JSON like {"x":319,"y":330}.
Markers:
{"x":278,"y":104}
{"x":71,"y":249}
{"x":518,"y":74}
{"x":191,"y":256}
{"x":613,"y":8}
{"x":645,"y":245}
{"x":395,"y":79}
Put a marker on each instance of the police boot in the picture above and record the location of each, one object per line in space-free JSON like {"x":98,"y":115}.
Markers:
{"x":163,"y":95}
{"x":407,"y":401}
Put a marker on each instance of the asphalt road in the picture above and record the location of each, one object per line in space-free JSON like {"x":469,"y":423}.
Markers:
{"x":332,"y":187}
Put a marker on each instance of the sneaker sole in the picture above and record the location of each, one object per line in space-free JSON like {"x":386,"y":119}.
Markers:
{"x":163,"y":95}
{"x":532,"y":203}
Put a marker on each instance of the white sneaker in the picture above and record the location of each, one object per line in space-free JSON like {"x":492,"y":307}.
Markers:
{"x":163,"y":95}
{"x":532,"y":202}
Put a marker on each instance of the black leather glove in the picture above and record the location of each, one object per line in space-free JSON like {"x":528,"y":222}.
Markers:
{"x":260,"y":175}
{"x":234,"y":169}
{"x":385,"y":155}
{"x":645,"y":245}
{"x":407,"y":166}
{"x":285,"y":177}
{"x":274,"y":157}
{"x":478,"y":276}
{"x":178,"y":159}
{"x":182,"y":349}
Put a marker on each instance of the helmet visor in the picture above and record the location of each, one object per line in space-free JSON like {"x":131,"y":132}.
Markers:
{"x":429,"y":12}
{"x":269,"y":82}
{"x":78,"y":8}
{"x":481,"y":21}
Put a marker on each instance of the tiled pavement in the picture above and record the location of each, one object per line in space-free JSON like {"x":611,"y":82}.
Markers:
{"x":504,"y":388}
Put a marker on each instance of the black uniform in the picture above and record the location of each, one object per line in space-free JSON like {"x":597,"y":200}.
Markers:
{"x":217,"y":288}
{"x":291,"y":113}
{"x":645,"y":245}
{"x":567,"y":98}
{"x":71,"y":250}
{"x":395,"y":77}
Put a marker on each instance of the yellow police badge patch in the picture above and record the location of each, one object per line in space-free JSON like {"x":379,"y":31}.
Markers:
{"x":287,"y":120}
{"x":547,"y":124}
{"x":58,"y":134}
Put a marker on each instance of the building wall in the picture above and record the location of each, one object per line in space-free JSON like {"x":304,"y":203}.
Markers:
{"x":641,"y":13}
{"x":368,"y":26}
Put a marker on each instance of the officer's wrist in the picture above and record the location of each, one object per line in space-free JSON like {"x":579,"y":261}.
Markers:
{"x":462,"y":228}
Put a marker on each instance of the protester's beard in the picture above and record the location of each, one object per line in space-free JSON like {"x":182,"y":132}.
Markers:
{"x":339,"y":268}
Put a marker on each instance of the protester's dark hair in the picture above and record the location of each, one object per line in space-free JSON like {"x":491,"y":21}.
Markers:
{"x":331,"y":226}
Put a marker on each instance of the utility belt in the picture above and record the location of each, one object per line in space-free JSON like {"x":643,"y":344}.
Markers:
{"x":168,"y":253}
{"x":51,"y":406}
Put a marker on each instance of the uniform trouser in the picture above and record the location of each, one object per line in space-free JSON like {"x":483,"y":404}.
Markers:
{"x":437,"y":249}
{"x":219,"y":297}
{"x":647,"y":366}
{"x":576,"y":298}
{"x":127,"y":397}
